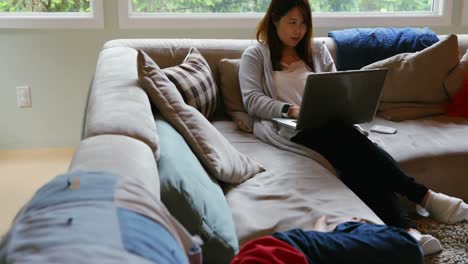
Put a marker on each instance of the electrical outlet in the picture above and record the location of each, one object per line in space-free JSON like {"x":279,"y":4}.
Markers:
{"x":23,"y":94}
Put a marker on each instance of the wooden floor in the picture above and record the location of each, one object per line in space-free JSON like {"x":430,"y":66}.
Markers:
{"x":22,"y":172}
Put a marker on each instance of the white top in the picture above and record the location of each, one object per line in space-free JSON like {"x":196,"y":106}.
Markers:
{"x":256,"y":78}
{"x":288,"y":84}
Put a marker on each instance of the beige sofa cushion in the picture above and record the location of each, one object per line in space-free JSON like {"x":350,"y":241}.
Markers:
{"x":293,"y":192}
{"x":230,"y":87}
{"x":419,"y":77}
{"x":220,"y":158}
{"x":231,"y":94}
{"x":432,"y":150}
{"x":455,"y":78}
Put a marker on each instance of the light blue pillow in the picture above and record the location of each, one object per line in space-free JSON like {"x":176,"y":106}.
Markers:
{"x":193,"y":197}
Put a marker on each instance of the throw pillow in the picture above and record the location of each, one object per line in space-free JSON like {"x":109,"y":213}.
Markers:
{"x":194,"y":198}
{"x":231,"y":94}
{"x":215,"y":152}
{"x":419,"y":77}
{"x":194,"y":80}
{"x":358,"y":47}
{"x":455,"y":78}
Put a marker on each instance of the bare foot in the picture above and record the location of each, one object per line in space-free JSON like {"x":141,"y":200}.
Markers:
{"x":429,"y":244}
{"x":321,"y":224}
{"x":414,"y":233}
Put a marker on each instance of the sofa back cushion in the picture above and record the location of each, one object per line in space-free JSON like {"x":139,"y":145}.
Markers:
{"x":231,"y":94}
{"x":230,"y":87}
{"x":194,"y":198}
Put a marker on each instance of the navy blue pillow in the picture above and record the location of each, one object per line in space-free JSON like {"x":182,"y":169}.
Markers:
{"x":358,"y":47}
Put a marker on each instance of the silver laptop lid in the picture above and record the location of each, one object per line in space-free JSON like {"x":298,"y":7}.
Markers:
{"x":349,"y":97}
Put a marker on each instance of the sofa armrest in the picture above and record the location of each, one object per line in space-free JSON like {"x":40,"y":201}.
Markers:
{"x":117,"y":105}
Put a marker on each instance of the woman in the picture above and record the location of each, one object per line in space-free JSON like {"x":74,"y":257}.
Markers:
{"x":272,"y":77}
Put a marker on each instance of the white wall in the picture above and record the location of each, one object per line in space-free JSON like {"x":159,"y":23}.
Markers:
{"x":58,"y":66}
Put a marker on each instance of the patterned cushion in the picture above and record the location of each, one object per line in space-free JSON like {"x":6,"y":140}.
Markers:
{"x":194,"y":80}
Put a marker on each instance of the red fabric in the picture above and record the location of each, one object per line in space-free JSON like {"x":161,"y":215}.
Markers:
{"x":459,"y":104}
{"x":269,"y":250}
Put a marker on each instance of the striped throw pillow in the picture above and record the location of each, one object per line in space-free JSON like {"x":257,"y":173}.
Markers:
{"x":194,"y":80}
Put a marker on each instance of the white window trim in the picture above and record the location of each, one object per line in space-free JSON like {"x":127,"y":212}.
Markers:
{"x":95,"y":19}
{"x":442,"y":15}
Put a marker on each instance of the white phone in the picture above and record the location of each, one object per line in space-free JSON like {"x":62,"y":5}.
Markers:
{"x":383,"y":129}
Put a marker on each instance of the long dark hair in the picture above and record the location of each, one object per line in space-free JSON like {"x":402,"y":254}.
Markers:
{"x":266,"y":31}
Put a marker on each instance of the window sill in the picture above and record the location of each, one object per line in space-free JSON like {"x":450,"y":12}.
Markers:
{"x":55,"y":20}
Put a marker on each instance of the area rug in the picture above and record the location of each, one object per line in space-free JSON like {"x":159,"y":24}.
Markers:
{"x":454,"y":239}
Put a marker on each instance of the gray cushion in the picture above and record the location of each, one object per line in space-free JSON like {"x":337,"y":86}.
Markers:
{"x":194,"y":198}
{"x":231,"y":94}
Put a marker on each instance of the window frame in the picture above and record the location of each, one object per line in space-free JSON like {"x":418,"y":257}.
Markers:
{"x":465,"y":13}
{"x":25,"y":20}
{"x":442,"y":15}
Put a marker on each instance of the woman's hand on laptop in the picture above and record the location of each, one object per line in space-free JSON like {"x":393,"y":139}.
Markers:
{"x":294,"y":111}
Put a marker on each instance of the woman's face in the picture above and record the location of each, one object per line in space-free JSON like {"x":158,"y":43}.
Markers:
{"x":291,"y":28}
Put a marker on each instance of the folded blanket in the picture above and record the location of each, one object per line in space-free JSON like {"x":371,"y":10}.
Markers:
{"x":359,"y":47}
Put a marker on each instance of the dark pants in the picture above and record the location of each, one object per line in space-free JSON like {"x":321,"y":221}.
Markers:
{"x":366,"y":169}
{"x":355,"y":243}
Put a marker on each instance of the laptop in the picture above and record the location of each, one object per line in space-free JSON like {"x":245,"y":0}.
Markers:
{"x":350,"y":97}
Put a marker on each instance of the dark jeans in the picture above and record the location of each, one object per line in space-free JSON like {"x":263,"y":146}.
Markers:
{"x":355,"y":243}
{"x":369,"y":171}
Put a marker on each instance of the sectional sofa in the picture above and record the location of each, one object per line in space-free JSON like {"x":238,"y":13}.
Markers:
{"x":125,"y":133}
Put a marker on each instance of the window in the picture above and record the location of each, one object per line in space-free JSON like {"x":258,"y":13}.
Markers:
{"x":51,"y":14}
{"x":247,"y":13}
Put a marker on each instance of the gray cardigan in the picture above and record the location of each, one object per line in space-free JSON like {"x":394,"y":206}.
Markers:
{"x":255,"y":77}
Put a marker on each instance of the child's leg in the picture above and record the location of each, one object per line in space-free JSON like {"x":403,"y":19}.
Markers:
{"x":355,"y":242}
